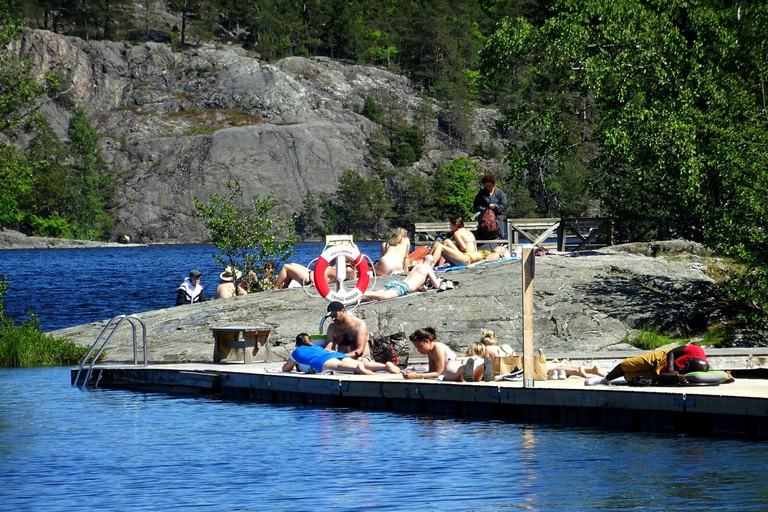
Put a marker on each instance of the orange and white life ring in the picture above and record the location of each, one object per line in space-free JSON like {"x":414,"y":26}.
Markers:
{"x":358,"y":260}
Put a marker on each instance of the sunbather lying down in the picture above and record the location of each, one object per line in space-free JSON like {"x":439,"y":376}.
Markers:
{"x":454,"y":256}
{"x":568,"y":369}
{"x":413,"y":282}
{"x":322,"y":360}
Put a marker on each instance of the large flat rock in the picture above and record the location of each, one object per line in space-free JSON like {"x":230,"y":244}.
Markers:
{"x":582,"y":303}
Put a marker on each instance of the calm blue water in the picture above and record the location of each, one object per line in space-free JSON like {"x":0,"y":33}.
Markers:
{"x":66,"y":287}
{"x":63,"y":448}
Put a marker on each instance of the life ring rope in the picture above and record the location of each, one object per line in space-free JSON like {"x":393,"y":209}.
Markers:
{"x":360,"y":262}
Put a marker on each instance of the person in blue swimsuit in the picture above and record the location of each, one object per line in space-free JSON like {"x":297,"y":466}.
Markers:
{"x":321,"y":360}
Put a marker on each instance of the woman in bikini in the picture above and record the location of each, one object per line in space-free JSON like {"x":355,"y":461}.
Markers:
{"x":462,"y":251}
{"x":394,"y":254}
{"x":443,"y":361}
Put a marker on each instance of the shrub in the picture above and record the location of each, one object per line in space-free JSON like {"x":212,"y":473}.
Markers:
{"x":650,"y":339}
{"x":27,"y":345}
{"x":372,"y":110}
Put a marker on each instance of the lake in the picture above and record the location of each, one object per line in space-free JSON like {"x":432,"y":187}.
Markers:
{"x":64,"y":448}
{"x":67,"y":287}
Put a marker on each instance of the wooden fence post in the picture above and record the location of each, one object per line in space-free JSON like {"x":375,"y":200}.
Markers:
{"x":529,"y":255}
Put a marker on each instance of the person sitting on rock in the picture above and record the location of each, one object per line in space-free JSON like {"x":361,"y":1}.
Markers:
{"x":322,"y":360}
{"x":465,"y":244}
{"x":394,"y":254}
{"x":663,"y":366}
{"x":190,"y":291}
{"x":226,"y":287}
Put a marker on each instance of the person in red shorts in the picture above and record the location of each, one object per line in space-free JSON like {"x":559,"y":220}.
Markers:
{"x":664,"y":366}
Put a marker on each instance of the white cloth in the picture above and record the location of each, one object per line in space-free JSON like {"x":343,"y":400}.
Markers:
{"x":193,"y":292}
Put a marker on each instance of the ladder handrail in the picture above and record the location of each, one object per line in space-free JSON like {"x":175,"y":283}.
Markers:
{"x":116,"y":321}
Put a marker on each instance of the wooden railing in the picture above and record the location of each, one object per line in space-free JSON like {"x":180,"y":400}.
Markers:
{"x":566,"y":233}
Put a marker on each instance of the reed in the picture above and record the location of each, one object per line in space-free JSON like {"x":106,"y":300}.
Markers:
{"x":27,"y":345}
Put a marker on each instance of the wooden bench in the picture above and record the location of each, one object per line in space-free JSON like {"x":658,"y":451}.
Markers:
{"x":254,"y":344}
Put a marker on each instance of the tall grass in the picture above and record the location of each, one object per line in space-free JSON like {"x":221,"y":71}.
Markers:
{"x":27,"y":345}
{"x":650,"y":339}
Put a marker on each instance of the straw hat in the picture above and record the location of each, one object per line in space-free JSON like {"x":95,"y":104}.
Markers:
{"x":228,"y":275}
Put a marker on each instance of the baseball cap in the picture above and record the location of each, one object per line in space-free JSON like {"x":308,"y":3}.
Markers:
{"x":334,"y":307}
{"x":195,"y":273}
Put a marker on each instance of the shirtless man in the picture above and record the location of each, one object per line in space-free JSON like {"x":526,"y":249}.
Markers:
{"x":347,"y":334}
{"x":415,"y":281}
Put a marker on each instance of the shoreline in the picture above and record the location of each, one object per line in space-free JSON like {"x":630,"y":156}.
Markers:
{"x":10,"y":240}
{"x":15,"y":240}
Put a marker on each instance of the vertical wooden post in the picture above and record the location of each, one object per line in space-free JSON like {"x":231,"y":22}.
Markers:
{"x":529,"y":255}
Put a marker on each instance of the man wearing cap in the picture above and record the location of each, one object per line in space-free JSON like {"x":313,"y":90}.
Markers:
{"x":347,"y":334}
{"x":190,"y":291}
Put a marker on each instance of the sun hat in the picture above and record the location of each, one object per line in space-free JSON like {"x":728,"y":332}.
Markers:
{"x":228,"y":275}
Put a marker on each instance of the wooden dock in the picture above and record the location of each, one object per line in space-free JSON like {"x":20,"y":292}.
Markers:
{"x":738,"y":409}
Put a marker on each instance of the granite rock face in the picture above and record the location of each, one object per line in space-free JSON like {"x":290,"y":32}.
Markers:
{"x":176,"y":126}
{"x":586,"y":302}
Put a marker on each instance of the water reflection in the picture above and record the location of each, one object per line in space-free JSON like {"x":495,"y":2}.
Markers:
{"x":62,"y":448}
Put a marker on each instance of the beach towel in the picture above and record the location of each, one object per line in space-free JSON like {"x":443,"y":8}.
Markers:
{"x":419,"y":253}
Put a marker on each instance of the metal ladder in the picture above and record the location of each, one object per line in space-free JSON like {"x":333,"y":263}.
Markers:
{"x":115,"y":323}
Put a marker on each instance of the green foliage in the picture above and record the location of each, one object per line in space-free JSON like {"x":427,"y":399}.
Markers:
{"x":248,"y":236}
{"x":16,"y":180}
{"x":650,"y":339}
{"x":719,"y":335}
{"x":406,"y":145}
{"x":361,"y":203}
{"x":90,"y":190}
{"x":27,"y":345}
{"x":372,"y":110}
{"x":52,"y":226}
{"x":307,"y":221}
{"x":456,"y":115}
{"x":663,"y":102}
{"x":413,"y":197}
{"x":457,"y":185}
{"x":748,"y":291}
{"x":332,"y":216}
{"x":18,"y":89}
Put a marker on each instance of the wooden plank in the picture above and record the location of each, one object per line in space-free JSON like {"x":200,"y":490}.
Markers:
{"x":528,"y":260}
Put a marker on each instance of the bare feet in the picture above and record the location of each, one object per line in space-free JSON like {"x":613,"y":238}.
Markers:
{"x":391,"y":368}
{"x":596,"y":370}
{"x":362,"y":369}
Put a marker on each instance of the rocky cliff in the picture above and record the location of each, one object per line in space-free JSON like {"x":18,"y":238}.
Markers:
{"x":583,"y":302}
{"x":176,"y":126}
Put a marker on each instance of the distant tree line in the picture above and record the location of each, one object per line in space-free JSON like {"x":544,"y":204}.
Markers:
{"x":47,"y":187}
